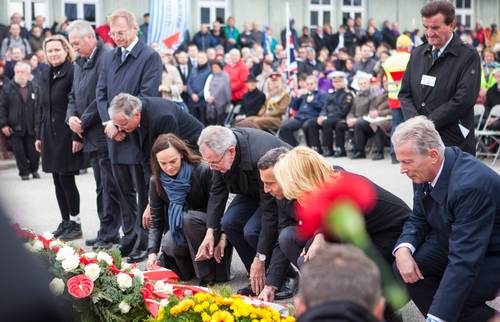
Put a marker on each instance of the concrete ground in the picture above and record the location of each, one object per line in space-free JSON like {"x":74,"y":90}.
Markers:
{"x":33,"y":204}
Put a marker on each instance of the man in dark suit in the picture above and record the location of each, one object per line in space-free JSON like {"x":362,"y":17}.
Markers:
{"x":442,"y":78}
{"x":17,"y":120}
{"x":449,"y":250}
{"x":136,"y":69}
{"x":83,"y":119}
{"x":184,"y":67}
{"x":152,"y":116}
{"x":233,"y":155}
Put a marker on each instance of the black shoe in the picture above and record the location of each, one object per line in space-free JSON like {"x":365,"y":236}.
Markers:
{"x":61,"y":228}
{"x":125,"y":250}
{"x":137,"y":256}
{"x":205,"y":283}
{"x":25,"y":177}
{"x":247,"y":291}
{"x":377,"y":156}
{"x":339,"y":154}
{"x":102,"y":244}
{"x":358,"y":155}
{"x":74,"y":231}
{"x":288,"y":289}
{"x":116,"y":240}
{"x":35,"y":175}
{"x":91,"y":242}
{"x":328,"y":153}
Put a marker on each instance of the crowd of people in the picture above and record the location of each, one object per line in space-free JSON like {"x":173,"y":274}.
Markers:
{"x":197,"y":151}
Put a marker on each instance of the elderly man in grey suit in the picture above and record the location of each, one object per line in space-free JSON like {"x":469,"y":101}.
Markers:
{"x":136,"y":69}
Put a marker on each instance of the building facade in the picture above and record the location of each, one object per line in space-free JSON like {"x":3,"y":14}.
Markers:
{"x":272,"y":13}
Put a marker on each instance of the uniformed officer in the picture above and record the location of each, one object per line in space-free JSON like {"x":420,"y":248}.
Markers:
{"x":335,"y":110}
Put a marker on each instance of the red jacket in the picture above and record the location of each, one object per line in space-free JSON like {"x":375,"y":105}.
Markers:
{"x":238,"y":75}
{"x":103,"y":32}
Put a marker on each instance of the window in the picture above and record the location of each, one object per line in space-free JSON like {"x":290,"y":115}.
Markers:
{"x":464,"y":12}
{"x":352,"y":8}
{"x":320,"y":13}
{"x":81,"y":9}
{"x":210,"y":10}
{"x":29,"y":9}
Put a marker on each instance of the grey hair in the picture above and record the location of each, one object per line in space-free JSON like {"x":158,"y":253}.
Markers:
{"x":340,"y":273}
{"x":421,"y":132}
{"x":125,"y":14}
{"x":271,"y":157}
{"x":22,"y":64}
{"x":126,"y":104}
{"x":217,"y":138}
{"x":82,"y":27}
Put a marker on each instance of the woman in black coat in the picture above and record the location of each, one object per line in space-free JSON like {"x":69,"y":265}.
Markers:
{"x":178,"y":198}
{"x":61,"y":153}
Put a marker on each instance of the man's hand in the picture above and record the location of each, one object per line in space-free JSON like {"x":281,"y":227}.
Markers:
{"x":110,"y":130}
{"x":151,"y":260}
{"x":38,"y":146}
{"x":310,"y":98}
{"x":316,"y":245}
{"x":195,"y":98}
{"x":407,"y":266}
{"x":120,"y":136}
{"x":206,"y":249}
{"x":210,"y":99}
{"x":257,"y":275}
{"x":219,"y":249}
{"x":146,"y":217}
{"x":320,"y":120}
{"x":76,"y":147}
{"x":75,"y":124}
{"x":6,"y":131}
{"x":351,"y":121}
{"x":267,"y":293}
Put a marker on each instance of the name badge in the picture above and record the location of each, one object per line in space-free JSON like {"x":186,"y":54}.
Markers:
{"x":428,"y":80}
{"x":32,"y":96}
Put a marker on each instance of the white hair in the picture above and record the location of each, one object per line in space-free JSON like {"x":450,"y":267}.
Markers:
{"x":217,"y":138}
{"x":421,"y":132}
{"x":82,"y":27}
{"x":126,"y":104}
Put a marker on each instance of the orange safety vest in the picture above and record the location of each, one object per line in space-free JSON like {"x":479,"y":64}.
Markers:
{"x":394,"y":68}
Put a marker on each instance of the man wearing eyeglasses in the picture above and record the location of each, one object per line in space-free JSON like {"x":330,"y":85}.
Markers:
{"x":233,"y":155}
{"x":133,"y":68}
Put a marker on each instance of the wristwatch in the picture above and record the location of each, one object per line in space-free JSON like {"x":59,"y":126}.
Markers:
{"x":260,"y":257}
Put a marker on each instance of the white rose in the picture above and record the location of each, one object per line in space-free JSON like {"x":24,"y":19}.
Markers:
{"x":92,"y":271}
{"x":103,"y":256}
{"x":37,"y":245}
{"x":48,"y":235}
{"x":138,"y":273}
{"x":124,"y":281}
{"x":55,"y":243}
{"x":65,"y":252}
{"x":89,"y":255}
{"x":29,"y":247}
{"x":124,"y":307}
{"x":70,"y":263}
{"x":57,"y":286}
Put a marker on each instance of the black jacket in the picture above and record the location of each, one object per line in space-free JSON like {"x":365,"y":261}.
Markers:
{"x":82,"y":100}
{"x":159,"y":116}
{"x":450,"y":101}
{"x":197,"y":199}
{"x":338,"y":105}
{"x":252,"y":102}
{"x":14,"y":112}
{"x":337,"y":311}
{"x":51,"y":128}
{"x":243,"y":178}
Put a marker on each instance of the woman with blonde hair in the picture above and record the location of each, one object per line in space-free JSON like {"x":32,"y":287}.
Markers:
{"x":303,"y":171}
{"x":61,"y":151}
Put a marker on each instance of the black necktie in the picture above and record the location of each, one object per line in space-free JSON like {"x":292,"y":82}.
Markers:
{"x":427,"y":188}
{"x":435,"y":55}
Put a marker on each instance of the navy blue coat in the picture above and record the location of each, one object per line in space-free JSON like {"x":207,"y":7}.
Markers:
{"x":138,"y":75}
{"x":305,"y":110}
{"x":82,"y":100}
{"x":465,"y":214}
{"x":338,"y":105}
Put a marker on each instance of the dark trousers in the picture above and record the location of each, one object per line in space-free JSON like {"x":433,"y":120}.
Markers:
{"x":432,"y":259}
{"x":290,"y":126}
{"x":134,"y":199}
{"x":397,"y":118}
{"x":340,"y":129}
{"x":198,"y":110}
{"x":329,"y":126}
{"x":311,"y":131}
{"x":241,"y":223}
{"x":27,"y":158}
{"x":279,"y":268}
{"x":291,"y":245}
{"x":108,"y":196}
{"x":68,"y":197}
{"x":362,"y":131}
{"x":194,"y":229}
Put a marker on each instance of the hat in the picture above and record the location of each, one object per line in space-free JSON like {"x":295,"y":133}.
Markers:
{"x":404,"y":41}
{"x":337,"y":74}
{"x":362,"y":75}
{"x":251,"y":79}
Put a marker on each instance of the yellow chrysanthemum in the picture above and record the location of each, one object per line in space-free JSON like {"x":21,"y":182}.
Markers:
{"x":222,"y":316}
{"x":213,"y":308}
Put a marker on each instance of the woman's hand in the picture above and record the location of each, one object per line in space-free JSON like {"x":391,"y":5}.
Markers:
{"x":76,"y":147}
{"x":151,"y":260}
{"x":38,"y":146}
{"x":219,"y":249}
{"x":316,"y":245}
{"x":206,"y":249}
{"x":146,"y":217}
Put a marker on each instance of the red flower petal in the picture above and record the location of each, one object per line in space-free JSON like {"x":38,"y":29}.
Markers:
{"x":80,"y":286}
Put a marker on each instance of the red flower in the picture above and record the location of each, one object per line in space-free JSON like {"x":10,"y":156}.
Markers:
{"x":115,"y":270}
{"x":46,"y":242}
{"x":347,"y":187}
{"x":85,"y":261}
{"x":22,"y":233}
{"x":148,"y":293}
{"x":80,"y":286}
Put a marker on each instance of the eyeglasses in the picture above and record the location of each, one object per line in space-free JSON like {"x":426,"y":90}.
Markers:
{"x":210,"y":163}
{"x":119,"y":34}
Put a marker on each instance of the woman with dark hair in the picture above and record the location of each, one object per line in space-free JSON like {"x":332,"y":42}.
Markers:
{"x":178,"y":198}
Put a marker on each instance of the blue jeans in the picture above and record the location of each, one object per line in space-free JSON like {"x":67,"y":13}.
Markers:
{"x":241,"y":223}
